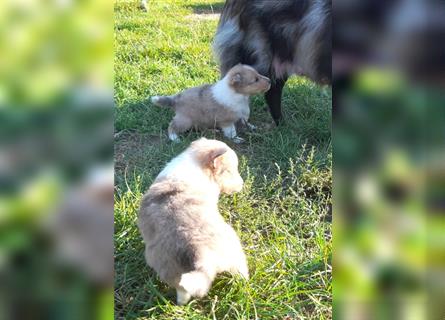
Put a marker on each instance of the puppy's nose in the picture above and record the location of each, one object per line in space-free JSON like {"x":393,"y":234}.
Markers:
{"x":268,"y":84}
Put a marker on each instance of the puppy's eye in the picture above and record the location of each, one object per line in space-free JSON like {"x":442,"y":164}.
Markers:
{"x":257,"y":79}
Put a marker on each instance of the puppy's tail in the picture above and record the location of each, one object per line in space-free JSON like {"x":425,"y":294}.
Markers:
{"x":196,"y":283}
{"x":164,"y":101}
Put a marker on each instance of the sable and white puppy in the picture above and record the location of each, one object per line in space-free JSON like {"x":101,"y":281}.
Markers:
{"x":187,"y":240}
{"x":215,"y":106}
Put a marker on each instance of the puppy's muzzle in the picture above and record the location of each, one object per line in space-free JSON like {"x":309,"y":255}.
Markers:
{"x":267,"y":88}
{"x":267,"y":83}
{"x":236,"y":185}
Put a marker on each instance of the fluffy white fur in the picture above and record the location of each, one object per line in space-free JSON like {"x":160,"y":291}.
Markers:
{"x":186,"y":169}
{"x":225,"y":95}
{"x":179,"y":218}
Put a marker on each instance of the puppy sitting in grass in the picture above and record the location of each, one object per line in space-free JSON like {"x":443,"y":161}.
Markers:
{"x":187,"y":241}
{"x":215,"y":106}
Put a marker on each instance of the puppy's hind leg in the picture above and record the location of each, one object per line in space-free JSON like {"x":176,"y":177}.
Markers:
{"x":193,"y":284}
{"x":178,"y":125}
{"x":182,"y":296}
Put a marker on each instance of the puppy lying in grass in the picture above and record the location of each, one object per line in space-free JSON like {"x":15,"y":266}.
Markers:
{"x":187,"y":241}
{"x":215,"y":106}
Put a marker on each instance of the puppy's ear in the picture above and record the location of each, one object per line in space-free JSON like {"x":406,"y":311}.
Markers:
{"x":212,"y":158}
{"x":236,"y":79}
{"x":215,"y":155}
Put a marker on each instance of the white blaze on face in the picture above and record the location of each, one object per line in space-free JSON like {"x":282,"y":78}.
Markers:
{"x":237,"y":183}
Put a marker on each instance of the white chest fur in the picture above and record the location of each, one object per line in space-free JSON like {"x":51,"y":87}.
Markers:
{"x":226,"y":96}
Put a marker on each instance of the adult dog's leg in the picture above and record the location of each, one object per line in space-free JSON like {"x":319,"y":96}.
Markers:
{"x":273,"y":98}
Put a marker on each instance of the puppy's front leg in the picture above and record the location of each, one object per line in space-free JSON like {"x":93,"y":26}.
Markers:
{"x":243,"y":269}
{"x":239,"y":263}
{"x":177,"y":125}
{"x":172,"y":135}
{"x":230,"y":132}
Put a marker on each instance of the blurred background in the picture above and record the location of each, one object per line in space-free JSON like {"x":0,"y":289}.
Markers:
{"x":56,"y":170}
{"x":389,"y":159}
{"x":56,"y":148}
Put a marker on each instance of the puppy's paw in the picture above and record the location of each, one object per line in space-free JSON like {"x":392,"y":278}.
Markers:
{"x":244,"y":272}
{"x":183,"y":297}
{"x":238,"y":140}
{"x":229,"y":132}
{"x":173,"y":137}
{"x":250,"y":126}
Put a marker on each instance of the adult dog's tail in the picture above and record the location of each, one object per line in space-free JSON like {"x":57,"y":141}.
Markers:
{"x":229,"y":38}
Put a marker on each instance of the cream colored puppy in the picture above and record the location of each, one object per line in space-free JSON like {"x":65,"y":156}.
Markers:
{"x":219,"y":105}
{"x":187,"y":241}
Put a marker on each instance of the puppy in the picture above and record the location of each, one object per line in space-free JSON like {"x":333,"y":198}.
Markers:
{"x":187,"y":240}
{"x":278,"y":38}
{"x":218,"y":105}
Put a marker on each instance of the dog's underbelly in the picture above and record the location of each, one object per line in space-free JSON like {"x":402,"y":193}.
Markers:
{"x":285,"y":69}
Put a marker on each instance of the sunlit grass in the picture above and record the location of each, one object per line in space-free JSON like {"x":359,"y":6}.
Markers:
{"x":283,"y":213}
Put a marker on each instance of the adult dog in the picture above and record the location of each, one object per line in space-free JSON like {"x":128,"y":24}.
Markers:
{"x":278,"y":38}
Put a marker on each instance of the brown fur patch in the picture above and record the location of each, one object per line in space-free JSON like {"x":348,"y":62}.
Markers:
{"x":198,"y":107}
{"x":180,"y":223}
{"x":246,"y":80}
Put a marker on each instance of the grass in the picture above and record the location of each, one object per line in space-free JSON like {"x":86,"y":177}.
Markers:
{"x":283,"y":214}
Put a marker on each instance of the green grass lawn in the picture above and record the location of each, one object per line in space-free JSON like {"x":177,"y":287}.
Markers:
{"x":283,"y":214}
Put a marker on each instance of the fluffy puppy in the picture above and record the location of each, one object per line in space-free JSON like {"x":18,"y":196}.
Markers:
{"x":219,"y":105}
{"x":278,"y":38}
{"x":187,"y":242}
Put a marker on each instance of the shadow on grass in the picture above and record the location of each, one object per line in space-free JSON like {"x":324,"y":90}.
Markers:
{"x":208,"y":8}
{"x":143,"y":145}
{"x":142,"y":149}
